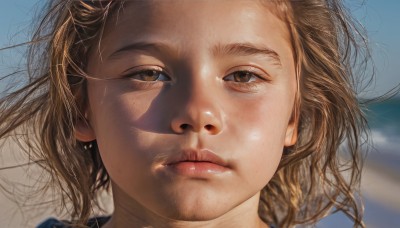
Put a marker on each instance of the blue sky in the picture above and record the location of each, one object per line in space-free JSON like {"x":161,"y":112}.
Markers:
{"x":381,"y":19}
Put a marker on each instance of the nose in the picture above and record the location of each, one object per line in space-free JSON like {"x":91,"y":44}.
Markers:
{"x":197,"y":110}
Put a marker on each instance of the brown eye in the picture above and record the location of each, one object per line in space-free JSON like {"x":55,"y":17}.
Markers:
{"x":150,"y":75}
{"x":241,"y":76}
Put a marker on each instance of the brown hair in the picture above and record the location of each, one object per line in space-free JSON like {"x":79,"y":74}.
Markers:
{"x":320,"y":173}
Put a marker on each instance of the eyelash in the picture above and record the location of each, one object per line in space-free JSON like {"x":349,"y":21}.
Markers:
{"x":251,"y":73}
{"x":255,"y":79}
{"x":258,"y":77}
{"x":144,"y":71}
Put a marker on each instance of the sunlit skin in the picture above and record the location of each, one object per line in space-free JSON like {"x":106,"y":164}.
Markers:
{"x":186,"y":76}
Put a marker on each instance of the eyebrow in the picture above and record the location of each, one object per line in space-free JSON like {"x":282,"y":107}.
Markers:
{"x":234,"y":49}
{"x":246,"y":49}
{"x":142,"y":46}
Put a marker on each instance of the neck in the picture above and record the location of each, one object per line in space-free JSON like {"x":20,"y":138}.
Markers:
{"x":129,"y":213}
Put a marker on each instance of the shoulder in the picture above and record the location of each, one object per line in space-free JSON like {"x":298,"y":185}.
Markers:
{"x":95,"y":222}
{"x":52,"y":223}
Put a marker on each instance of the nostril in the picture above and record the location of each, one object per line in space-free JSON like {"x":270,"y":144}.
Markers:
{"x":184,"y":126}
{"x":208,"y":127}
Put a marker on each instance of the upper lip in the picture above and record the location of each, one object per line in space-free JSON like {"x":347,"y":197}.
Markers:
{"x":197,"y":155}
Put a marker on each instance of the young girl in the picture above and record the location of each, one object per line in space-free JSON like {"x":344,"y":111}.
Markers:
{"x":195,"y":113}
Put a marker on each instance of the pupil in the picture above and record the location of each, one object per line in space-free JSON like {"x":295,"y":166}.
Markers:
{"x":242,"y":77}
{"x":150,"y":75}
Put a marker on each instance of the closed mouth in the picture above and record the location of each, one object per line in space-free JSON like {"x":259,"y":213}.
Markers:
{"x":197,"y":164}
{"x":197,"y":156}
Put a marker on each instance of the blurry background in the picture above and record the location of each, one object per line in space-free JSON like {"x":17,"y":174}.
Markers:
{"x":381,"y":176}
{"x":381,"y":179}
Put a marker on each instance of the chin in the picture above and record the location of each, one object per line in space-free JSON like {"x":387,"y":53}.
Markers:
{"x":194,"y":214}
{"x":196,"y":210}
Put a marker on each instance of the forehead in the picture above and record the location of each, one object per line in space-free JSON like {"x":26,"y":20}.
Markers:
{"x":194,"y":26}
{"x":222,"y":16}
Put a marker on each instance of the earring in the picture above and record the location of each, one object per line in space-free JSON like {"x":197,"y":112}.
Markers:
{"x":88,"y":146}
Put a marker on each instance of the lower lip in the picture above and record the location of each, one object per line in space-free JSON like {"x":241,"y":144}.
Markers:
{"x":197,"y":168}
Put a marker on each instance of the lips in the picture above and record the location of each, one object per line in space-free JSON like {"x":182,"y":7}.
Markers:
{"x":196,"y":163}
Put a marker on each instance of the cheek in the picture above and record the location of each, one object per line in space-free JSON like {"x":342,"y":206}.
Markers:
{"x":114,"y":116}
{"x":259,"y":134}
{"x":262,"y":156}
{"x":119,"y":110}
{"x":260,"y":121}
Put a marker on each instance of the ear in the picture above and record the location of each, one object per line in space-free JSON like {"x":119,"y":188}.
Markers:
{"x":291,"y":132}
{"x":83,"y":131}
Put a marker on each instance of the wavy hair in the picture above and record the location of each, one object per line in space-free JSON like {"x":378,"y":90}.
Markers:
{"x":319,"y":175}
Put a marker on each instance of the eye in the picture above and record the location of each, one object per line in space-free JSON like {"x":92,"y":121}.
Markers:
{"x":149,"y":75}
{"x":242,"y":76}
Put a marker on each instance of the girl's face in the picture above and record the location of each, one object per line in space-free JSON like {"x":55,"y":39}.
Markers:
{"x":194,"y":124}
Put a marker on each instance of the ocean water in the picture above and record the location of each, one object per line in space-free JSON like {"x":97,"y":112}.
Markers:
{"x":384,"y":153}
{"x":384,"y":122}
